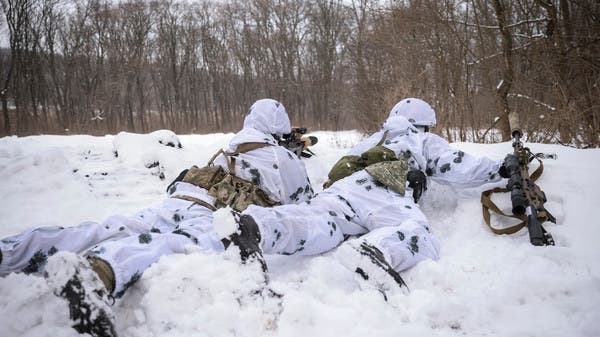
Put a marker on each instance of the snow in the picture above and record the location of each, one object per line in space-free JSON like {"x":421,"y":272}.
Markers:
{"x":226,"y":221}
{"x":483,"y":284}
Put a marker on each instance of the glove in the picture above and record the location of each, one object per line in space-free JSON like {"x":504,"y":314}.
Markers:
{"x":418,"y":182}
{"x":509,"y":166}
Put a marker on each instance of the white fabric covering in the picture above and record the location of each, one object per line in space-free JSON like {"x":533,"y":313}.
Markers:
{"x":130,"y":244}
{"x":359,"y":205}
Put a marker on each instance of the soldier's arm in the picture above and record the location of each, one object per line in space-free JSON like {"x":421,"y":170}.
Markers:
{"x":448,"y":165}
{"x":295,"y":184}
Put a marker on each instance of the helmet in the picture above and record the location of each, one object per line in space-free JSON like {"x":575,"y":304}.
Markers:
{"x":417,"y":111}
{"x":268,"y":116}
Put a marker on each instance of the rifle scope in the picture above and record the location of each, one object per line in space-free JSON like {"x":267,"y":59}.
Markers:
{"x":510,"y":169}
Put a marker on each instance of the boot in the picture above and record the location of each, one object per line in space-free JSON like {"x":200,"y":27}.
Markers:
{"x":104,"y":271}
{"x":373,"y":270}
{"x":72,"y":278}
{"x":247,"y":239}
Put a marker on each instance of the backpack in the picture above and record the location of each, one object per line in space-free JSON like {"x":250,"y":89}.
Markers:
{"x":379,"y":161}
{"x":227,"y":188}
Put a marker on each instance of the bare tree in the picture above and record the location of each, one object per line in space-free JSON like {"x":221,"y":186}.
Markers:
{"x":18,"y":16}
{"x":503,"y":88}
{"x":329,"y":29}
{"x":102,"y":66}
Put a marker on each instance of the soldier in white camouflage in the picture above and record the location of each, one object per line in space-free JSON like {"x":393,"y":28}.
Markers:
{"x":383,"y":212}
{"x":255,"y":169}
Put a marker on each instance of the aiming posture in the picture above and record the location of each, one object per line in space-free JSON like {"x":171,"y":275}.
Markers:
{"x":373,"y":194}
{"x":254,"y":170}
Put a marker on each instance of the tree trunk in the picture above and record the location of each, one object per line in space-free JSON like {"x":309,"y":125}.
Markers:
{"x":142,"y":110}
{"x":5,"y":112}
{"x":503,"y":88}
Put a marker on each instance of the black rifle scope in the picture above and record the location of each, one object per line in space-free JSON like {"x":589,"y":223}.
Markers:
{"x":510,"y":169}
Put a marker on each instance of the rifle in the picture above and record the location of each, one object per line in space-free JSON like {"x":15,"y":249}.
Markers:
{"x":296,"y":142}
{"x":526,"y":196}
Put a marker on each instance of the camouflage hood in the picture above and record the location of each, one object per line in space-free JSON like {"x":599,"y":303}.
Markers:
{"x":395,"y":125}
{"x":398,"y":125}
{"x":269,"y":117}
{"x":250,"y":135}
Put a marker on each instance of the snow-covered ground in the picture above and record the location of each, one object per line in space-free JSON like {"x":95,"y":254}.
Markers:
{"x":483,"y":285}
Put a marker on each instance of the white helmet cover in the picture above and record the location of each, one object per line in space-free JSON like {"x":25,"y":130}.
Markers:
{"x":417,"y":111}
{"x":268,"y":116}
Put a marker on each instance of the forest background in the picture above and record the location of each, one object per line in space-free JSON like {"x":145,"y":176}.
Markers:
{"x":101,"y":66}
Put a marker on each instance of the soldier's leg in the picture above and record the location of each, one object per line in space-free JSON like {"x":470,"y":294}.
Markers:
{"x":379,"y":256}
{"x":128,"y":258}
{"x":401,"y":232}
{"x":404,"y":245}
{"x":29,"y":250}
{"x":308,"y":228}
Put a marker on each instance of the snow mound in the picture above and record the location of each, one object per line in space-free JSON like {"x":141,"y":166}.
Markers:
{"x":150,"y":150}
{"x":200,"y":294}
{"x":30,"y":309}
{"x":126,"y":142}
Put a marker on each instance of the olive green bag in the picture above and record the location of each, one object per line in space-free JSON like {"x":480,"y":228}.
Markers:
{"x":343,"y":168}
{"x":347,"y":165}
{"x":377,"y":154}
{"x":391,"y":173}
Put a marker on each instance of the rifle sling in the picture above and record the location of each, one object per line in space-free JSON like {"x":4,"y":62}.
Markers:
{"x":487,"y":204}
{"x":230,"y":156}
{"x":382,"y":140}
{"x":195,"y":200}
{"x":247,"y":147}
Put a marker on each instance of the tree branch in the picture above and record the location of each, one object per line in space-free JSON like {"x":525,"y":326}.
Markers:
{"x":545,"y":105}
{"x":512,"y":25}
{"x":497,"y":54}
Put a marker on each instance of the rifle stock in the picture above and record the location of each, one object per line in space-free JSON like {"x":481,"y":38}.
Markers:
{"x":536,"y":232}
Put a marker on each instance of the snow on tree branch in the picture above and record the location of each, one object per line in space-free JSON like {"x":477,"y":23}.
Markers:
{"x":545,"y":105}
{"x":485,"y":58}
{"x":522,"y":22}
{"x":512,"y":25}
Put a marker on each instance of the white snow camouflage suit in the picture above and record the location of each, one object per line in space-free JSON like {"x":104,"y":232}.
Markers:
{"x":130,"y":244}
{"x":359,"y":205}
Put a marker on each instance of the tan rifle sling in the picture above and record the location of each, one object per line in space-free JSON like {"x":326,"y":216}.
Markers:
{"x":487,"y":205}
{"x":230,"y":156}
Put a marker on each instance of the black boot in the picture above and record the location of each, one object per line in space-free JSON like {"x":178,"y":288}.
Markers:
{"x":247,"y":239}
{"x":89,"y":309}
{"x":86,"y":315}
{"x":369,"y":263}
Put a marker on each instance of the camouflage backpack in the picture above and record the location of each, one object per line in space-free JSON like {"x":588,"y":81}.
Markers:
{"x":226,"y":187}
{"x":379,"y":161}
{"x":391,"y":173}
